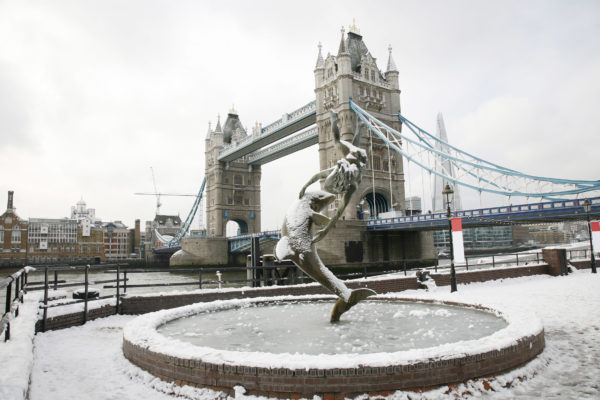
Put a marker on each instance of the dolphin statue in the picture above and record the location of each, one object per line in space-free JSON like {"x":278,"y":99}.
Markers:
{"x":298,"y":244}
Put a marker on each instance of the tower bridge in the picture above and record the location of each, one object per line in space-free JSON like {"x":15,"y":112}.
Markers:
{"x":352,"y":84}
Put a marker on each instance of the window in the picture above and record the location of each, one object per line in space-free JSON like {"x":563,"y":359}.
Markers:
{"x":229,"y":200}
{"x":237,"y":180}
{"x":1,"y":234}
{"x":385,"y":166}
{"x":246,"y":202}
{"x":238,"y":200}
{"x":376,"y":163}
{"x":16,"y":235}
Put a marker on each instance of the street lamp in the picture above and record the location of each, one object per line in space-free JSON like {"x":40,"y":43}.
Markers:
{"x":448,"y":194}
{"x":587,"y":207}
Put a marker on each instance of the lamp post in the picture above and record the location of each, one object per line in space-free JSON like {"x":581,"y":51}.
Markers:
{"x":587,"y":207}
{"x":448,"y":194}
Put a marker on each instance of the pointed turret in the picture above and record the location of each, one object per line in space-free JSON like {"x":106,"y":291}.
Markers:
{"x":391,"y":75}
{"x":391,"y":65}
{"x":342,"y":48}
{"x":344,"y":60}
{"x":209,"y":130}
{"x":320,"y":62}
{"x":218,"y":128}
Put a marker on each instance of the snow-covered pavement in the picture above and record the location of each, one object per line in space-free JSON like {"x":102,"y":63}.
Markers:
{"x":86,"y":362}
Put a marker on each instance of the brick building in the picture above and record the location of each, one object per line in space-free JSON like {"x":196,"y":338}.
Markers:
{"x":13,"y":236}
{"x":117,"y":241}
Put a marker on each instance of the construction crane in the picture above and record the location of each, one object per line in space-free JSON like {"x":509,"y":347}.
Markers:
{"x":158,"y":204}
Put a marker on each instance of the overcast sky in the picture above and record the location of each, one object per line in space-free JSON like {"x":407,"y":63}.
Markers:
{"x":94,"y":93}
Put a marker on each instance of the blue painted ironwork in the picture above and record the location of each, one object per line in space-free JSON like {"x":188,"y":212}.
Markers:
{"x":183,"y":230}
{"x":236,"y":243}
{"x":488,"y":177}
{"x":520,"y":213}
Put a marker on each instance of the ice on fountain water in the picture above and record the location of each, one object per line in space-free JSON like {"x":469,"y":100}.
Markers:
{"x":398,"y":326}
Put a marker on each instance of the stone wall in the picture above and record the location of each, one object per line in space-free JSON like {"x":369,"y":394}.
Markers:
{"x":201,"y":251}
{"x":74,"y":319}
{"x":143,"y":304}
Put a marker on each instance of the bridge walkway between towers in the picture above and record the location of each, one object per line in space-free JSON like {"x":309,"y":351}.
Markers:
{"x":552,"y":211}
{"x":285,"y":126}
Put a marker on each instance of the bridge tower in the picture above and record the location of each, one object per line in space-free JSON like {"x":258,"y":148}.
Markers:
{"x":353,"y":73}
{"x":232,"y":188}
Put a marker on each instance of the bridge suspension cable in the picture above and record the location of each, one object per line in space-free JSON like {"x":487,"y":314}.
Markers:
{"x":183,"y":230}
{"x":471,"y":171}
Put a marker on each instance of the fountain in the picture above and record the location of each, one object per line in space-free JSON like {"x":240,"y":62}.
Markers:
{"x":285,"y":347}
{"x":386,"y":343}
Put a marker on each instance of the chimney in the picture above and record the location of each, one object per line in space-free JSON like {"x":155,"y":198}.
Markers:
{"x":9,"y":205}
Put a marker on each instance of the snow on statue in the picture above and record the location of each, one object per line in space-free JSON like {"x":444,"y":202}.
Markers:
{"x":297,"y":242}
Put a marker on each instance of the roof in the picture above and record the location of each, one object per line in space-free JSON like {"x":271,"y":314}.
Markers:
{"x":162,"y":219}
{"x":356,"y":48}
{"x":232,"y":124}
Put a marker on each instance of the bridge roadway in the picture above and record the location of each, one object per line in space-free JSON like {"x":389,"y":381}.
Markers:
{"x":285,"y":126}
{"x":553,"y":211}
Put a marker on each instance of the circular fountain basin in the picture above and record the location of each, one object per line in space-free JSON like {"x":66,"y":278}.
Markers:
{"x":304,"y":327}
{"x":285,"y":347}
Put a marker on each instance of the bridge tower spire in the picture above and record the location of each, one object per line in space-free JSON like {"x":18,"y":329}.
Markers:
{"x":232,"y":188}
{"x":354,"y":74}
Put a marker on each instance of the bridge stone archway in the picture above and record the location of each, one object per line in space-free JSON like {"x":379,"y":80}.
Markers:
{"x":375,"y":204}
{"x":242,"y":226}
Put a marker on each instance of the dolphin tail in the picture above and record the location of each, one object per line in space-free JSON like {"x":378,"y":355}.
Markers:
{"x":342,"y":306}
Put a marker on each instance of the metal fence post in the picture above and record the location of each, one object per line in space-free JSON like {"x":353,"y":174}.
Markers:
{"x":467,"y":263}
{"x":493,"y":261}
{"x":7,"y":310}
{"x":85,"y":301}
{"x":55,"y":280}
{"x":200,"y":279}
{"x":17,"y":285}
{"x":45,"y":315}
{"x":517,"y":258}
{"x":118,"y":289}
{"x":124,"y":281}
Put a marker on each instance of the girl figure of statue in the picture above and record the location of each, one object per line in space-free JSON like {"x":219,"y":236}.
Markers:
{"x":345,"y":177}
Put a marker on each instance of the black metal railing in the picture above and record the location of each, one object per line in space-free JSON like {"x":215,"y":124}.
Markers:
{"x":14,"y":286}
{"x":265,"y":274}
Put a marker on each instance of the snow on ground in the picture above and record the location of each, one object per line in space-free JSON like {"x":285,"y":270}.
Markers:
{"x":16,"y":354}
{"x":87,"y":362}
